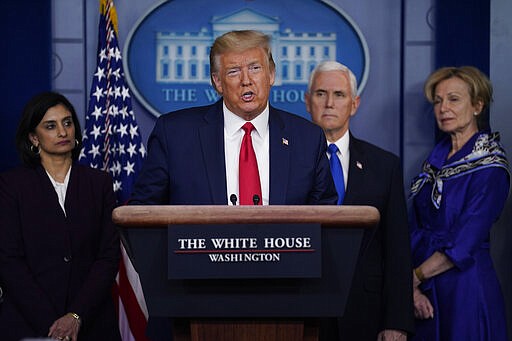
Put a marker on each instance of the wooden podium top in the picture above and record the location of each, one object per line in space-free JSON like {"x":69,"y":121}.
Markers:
{"x":158,"y":215}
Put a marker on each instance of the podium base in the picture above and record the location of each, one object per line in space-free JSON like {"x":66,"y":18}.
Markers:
{"x":244,"y":330}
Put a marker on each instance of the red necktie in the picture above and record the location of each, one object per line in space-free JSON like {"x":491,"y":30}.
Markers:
{"x":248,"y":176}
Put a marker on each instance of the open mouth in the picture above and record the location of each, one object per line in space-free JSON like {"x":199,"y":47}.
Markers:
{"x":248,"y":96}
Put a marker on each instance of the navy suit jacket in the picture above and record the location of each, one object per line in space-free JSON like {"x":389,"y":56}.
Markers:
{"x":51,"y":263}
{"x":186,"y":163}
{"x":381,"y":292}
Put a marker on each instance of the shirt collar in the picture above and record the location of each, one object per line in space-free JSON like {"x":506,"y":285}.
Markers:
{"x":342,"y":144}
{"x":66,"y":179}
{"x":233,"y":122}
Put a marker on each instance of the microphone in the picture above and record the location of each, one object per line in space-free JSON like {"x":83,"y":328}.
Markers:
{"x":233,"y":199}
{"x":256,"y":199}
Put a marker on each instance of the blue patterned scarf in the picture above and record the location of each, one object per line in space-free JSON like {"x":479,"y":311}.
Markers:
{"x":487,"y":152}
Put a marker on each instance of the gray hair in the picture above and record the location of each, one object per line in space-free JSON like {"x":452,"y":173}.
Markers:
{"x":334,"y":66}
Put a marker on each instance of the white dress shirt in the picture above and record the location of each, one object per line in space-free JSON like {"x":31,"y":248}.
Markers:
{"x":61,"y":188}
{"x":233,"y":134}
{"x":343,"y":154}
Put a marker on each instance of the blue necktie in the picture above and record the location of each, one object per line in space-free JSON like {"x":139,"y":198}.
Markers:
{"x":337,"y":172}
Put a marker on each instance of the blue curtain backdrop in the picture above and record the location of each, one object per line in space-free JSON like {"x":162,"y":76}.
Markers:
{"x":25,"y":63}
{"x":463,"y":34}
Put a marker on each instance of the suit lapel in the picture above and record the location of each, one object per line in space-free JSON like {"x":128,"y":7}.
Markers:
{"x":356,"y":171}
{"x":357,"y":186}
{"x":211,"y":136}
{"x":48,"y":191}
{"x":279,"y":158}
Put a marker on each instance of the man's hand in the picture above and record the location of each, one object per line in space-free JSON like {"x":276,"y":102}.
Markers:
{"x":392,"y":335}
{"x":65,"y":328}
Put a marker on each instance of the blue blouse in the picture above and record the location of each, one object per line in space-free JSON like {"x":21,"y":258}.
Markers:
{"x":456,"y":200}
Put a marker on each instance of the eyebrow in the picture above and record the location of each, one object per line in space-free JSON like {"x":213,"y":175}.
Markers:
{"x":237,"y":65}
{"x":451,"y":93}
{"x":53,"y":121}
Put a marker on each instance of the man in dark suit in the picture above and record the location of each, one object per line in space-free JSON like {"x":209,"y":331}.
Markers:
{"x":379,"y":305}
{"x":193,"y":154}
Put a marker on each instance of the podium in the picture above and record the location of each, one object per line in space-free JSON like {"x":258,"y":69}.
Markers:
{"x":245,"y":309}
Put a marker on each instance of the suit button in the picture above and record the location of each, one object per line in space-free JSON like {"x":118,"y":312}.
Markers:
{"x":67,"y":259}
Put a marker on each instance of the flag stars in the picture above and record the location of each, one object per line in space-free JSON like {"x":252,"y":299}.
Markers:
{"x":102,"y":55}
{"x":123,"y":130}
{"x":124,"y":112}
{"x":129,"y":168}
{"x":98,"y":93}
{"x":100,"y":73}
{"x":95,"y":150}
{"x":96,"y":131}
{"x":117,"y":73}
{"x":120,"y":149}
{"x":112,"y":141}
{"x":125,"y":93}
{"x":110,"y":35}
{"x":142,"y":151}
{"x":117,"y":54}
{"x":113,"y":110}
{"x":115,"y":169}
{"x":117,"y":92}
{"x":132,"y":149}
{"x":117,"y":185}
{"x":108,"y":130}
{"x":112,"y":151}
{"x":109,"y":92}
{"x":133,"y":131}
{"x":97,"y":112}
{"x":82,"y":154}
{"x":110,"y":53}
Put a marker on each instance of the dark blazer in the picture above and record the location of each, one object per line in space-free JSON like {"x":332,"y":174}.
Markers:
{"x":186,"y":163}
{"x":381,"y":293}
{"x":52,"y":264}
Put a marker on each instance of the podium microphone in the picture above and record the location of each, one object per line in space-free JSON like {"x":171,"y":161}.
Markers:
{"x":233,"y":199}
{"x":256,"y":199}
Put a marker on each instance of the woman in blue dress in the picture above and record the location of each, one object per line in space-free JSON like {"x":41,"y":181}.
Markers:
{"x":457,"y":197}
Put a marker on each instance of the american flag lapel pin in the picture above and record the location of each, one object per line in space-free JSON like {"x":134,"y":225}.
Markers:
{"x":359,"y":165}
{"x":285,"y":141}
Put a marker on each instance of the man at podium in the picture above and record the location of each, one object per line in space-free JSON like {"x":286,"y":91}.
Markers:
{"x":240,"y":150}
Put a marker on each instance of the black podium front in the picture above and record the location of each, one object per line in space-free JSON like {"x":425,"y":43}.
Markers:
{"x":280,"y":305}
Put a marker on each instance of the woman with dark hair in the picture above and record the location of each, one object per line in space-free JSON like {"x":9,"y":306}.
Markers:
{"x":33,"y":113}
{"x":59,"y":250}
{"x":458,"y":196}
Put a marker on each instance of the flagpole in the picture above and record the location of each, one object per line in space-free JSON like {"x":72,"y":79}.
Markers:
{"x":112,"y":142}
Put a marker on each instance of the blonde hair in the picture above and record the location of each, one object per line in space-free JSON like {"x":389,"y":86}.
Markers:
{"x":479,"y":87}
{"x":239,"y":41}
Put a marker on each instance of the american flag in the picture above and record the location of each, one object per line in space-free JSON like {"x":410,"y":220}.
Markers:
{"x":112,"y":142}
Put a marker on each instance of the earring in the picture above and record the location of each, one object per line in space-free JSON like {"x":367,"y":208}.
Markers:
{"x":36,"y":151}
{"x":475,"y":113}
{"x":77,"y":143}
